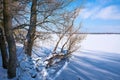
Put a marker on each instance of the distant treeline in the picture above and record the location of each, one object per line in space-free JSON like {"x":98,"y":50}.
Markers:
{"x":43,"y":32}
{"x":79,"y":33}
{"x":98,"y":33}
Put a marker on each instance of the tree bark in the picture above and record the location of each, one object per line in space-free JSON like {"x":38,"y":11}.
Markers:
{"x":3,"y":50}
{"x":10,"y":39}
{"x":32,"y":29}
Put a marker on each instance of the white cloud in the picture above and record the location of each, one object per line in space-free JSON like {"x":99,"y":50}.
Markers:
{"x":102,"y":2}
{"x":109,"y":12}
{"x":88,"y":13}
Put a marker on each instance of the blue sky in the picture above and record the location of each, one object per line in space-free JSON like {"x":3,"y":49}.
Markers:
{"x":100,"y":15}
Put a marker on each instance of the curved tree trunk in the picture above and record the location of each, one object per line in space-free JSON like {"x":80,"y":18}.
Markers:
{"x":9,"y":37}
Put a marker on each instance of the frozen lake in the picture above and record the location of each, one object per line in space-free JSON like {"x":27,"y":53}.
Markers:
{"x":98,"y":59}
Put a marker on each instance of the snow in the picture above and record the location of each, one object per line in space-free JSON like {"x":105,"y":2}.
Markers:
{"x":3,"y":72}
{"x":97,"y":59}
{"x":106,"y":43}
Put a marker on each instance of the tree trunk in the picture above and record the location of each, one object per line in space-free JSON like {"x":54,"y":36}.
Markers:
{"x":32,"y":29}
{"x":58,"y":42}
{"x":57,"y":45}
{"x":10,"y":39}
{"x":66,"y":42}
{"x":3,"y":50}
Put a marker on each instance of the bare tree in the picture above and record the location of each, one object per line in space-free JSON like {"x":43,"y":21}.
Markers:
{"x":2,"y":39}
{"x":48,"y":15}
{"x":3,"y":49}
{"x":9,"y":37}
{"x":71,"y":37}
{"x":44,"y":14}
{"x":74,"y":43}
{"x":68,"y":26}
{"x":61,"y":35}
{"x":32,"y":29}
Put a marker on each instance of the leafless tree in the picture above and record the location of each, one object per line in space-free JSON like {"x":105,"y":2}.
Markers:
{"x":7,"y":20}
{"x":47,"y":15}
{"x":44,"y":14}
{"x":3,"y":46}
{"x":32,"y":29}
{"x":3,"y":49}
{"x":71,"y":37}
{"x":68,"y":26}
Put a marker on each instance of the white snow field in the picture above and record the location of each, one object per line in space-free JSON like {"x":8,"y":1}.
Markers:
{"x":97,"y":59}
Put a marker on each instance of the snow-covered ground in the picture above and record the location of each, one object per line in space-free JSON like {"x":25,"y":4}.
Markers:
{"x":106,"y":43}
{"x":97,"y":59}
